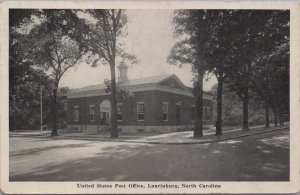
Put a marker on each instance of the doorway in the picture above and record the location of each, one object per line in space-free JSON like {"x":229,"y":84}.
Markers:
{"x":105,"y":112}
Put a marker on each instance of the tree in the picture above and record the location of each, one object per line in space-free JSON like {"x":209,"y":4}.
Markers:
{"x":24,"y":91}
{"x":248,"y":26}
{"x":192,"y":29}
{"x":102,"y":40}
{"x":218,"y":55}
{"x":271,"y":66}
{"x":52,"y":52}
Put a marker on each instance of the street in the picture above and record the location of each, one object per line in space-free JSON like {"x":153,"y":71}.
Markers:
{"x":261,"y":157}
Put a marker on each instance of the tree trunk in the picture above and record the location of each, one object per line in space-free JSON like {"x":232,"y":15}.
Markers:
{"x":245,"y":109}
{"x":54,"y":113}
{"x":199,"y":105}
{"x":267,"y":118}
{"x":280,"y":117}
{"x":275,"y":118}
{"x":114,"y":124}
{"x":219,"y":107}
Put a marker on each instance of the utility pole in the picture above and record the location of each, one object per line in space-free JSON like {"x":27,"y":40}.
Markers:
{"x":41,"y":104}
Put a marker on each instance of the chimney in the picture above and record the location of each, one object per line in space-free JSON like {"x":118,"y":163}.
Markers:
{"x":122,"y":72}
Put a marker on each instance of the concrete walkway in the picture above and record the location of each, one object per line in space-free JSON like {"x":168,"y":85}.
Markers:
{"x":209,"y":137}
{"x":167,"y":138}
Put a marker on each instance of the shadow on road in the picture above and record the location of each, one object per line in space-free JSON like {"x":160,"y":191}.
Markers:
{"x":33,"y":151}
{"x":247,"y":159}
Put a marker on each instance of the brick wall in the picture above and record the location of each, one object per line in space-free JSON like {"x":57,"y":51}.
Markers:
{"x":153,"y":101}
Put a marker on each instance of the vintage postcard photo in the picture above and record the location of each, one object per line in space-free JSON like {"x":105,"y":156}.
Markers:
{"x":149,"y":97}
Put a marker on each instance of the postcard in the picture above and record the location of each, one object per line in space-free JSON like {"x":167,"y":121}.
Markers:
{"x":148,"y":97}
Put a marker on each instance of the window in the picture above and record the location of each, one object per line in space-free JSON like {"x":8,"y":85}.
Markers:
{"x":76,"y":113}
{"x":192,"y":112}
{"x":165,"y":111}
{"x":207,"y":115}
{"x":178,"y":114}
{"x":119,"y":111}
{"x":92,"y":112}
{"x":140,"y":111}
{"x":204,"y":114}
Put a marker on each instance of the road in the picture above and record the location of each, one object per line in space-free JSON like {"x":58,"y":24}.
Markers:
{"x":263,"y":157}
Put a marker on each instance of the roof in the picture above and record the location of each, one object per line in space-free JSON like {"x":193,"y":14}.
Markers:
{"x":147,"y":80}
{"x":141,"y":81}
{"x":137,"y":82}
{"x":204,"y":92}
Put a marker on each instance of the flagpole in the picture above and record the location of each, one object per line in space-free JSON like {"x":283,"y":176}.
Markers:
{"x":41,"y":104}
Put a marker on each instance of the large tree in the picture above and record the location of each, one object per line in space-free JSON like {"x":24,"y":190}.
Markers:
{"x":248,"y":27}
{"x":24,"y":91}
{"x":192,"y":29}
{"x":52,"y":51}
{"x":102,"y":39}
{"x":218,"y":55}
{"x":270,"y":78}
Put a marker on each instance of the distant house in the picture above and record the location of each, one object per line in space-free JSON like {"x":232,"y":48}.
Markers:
{"x":156,"y":104}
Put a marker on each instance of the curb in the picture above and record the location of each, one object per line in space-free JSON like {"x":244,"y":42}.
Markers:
{"x":208,"y":141}
{"x":154,"y":142}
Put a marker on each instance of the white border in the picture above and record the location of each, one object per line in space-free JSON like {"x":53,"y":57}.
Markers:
{"x":227,"y":187}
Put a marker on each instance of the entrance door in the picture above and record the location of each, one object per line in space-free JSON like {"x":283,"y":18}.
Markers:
{"x":105,"y":112}
{"x":105,"y":118}
{"x":178,"y":114}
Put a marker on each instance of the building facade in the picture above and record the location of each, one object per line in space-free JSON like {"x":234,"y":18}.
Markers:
{"x":154,"y":104}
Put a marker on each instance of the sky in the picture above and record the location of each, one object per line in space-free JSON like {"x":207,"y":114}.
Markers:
{"x":150,"y":39}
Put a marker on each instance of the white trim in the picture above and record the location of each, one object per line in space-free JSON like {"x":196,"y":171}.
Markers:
{"x":179,"y":103}
{"x":176,"y":79}
{"x":137,"y":113}
{"x":77,"y":108}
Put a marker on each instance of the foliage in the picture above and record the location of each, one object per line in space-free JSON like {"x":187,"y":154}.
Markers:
{"x":102,"y":40}
{"x":192,"y":28}
{"x":247,"y":49}
{"x":45,"y":52}
{"x":232,"y":109}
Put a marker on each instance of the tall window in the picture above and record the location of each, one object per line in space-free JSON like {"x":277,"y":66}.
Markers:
{"x":165,"y":111}
{"x":178,"y":114}
{"x":140,"y":111}
{"x":119,"y":111}
{"x":92,"y":112}
{"x":76,"y":113}
{"x":207,"y":113}
{"x":192,"y":112}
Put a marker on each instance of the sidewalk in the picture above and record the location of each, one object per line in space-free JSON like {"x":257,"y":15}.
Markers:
{"x":166,"y":138}
{"x":187,"y":137}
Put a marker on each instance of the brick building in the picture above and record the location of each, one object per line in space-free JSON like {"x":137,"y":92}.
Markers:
{"x":160,"y":103}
